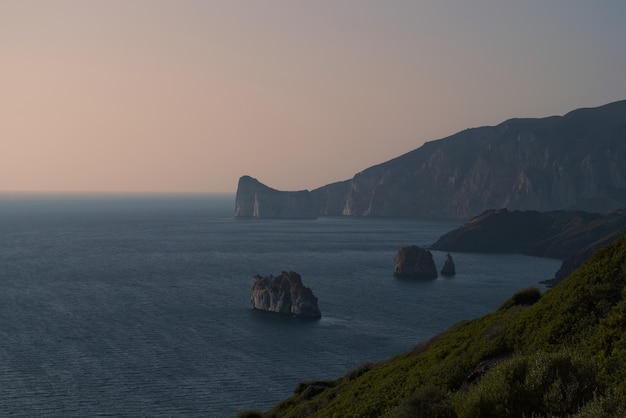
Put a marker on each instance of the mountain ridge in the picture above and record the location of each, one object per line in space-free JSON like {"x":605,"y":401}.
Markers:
{"x":572,"y":162}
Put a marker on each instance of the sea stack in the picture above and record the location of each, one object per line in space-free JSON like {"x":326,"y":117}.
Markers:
{"x":448,"y":268}
{"x":284,"y":294}
{"x":414,"y":262}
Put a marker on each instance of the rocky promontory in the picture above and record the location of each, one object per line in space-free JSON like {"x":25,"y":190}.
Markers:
{"x":284,"y":294}
{"x":553,"y":234}
{"x":414,"y":262}
{"x":571,"y":236}
{"x":256,"y":200}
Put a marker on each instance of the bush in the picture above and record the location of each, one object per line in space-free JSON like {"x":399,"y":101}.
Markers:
{"x":557,"y":384}
{"x":308,"y":390}
{"x":426,"y":402}
{"x":524,"y":297}
{"x":359,"y":371}
{"x":250,"y":414}
{"x":612,"y":405}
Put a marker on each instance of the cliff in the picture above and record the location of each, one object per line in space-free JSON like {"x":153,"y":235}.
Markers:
{"x":571,"y":162}
{"x":256,"y":200}
{"x":284,"y":294}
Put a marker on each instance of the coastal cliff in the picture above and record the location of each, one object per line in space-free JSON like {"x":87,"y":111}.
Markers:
{"x":256,"y":200}
{"x":570,"y":162}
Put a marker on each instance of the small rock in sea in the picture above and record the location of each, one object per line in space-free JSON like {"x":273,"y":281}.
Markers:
{"x":284,"y":294}
{"x":414,"y":262}
{"x":448,"y":268}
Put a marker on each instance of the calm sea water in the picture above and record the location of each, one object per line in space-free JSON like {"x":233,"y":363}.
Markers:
{"x":139,"y":306}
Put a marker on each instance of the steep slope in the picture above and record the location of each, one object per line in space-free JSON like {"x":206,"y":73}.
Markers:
{"x":573,"y":162}
{"x":560,"y":354}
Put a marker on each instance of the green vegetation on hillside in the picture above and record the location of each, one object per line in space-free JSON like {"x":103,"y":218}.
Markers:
{"x":557,"y":355}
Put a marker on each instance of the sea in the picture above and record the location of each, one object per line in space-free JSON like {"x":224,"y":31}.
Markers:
{"x":138,"y":305}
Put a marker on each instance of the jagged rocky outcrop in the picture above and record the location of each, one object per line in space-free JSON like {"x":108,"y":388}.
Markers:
{"x":571,"y":162}
{"x":448,"y":268}
{"x":256,"y":200}
{"x":284,"y":294}
{"x":414,"y":262}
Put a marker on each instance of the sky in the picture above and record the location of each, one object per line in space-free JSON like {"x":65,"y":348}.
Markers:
{"x":186,"y":96}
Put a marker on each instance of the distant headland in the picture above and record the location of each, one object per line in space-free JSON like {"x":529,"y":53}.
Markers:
{"x":570,"y":162}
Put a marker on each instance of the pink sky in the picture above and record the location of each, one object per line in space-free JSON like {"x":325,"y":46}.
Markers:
{"x":187,"y":96}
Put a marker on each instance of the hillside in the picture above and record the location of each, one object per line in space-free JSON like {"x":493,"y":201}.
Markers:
{"x":555,"y":234}
{"x":560,"y":354}
{"x":571,"y":162}
{"x":566,"y":235}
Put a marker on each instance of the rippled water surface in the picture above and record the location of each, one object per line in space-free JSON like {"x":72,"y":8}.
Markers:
{"x":139,"y":306}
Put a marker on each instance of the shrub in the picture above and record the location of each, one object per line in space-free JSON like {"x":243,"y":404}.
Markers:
{"x":524,"y":297}
{"x":359,"y":371}
{"x":556,"y":384}
{"x":426,"y":402}
{"x":250,"y":414}
{"x":308,"y":390}
{"x":612,"y":405}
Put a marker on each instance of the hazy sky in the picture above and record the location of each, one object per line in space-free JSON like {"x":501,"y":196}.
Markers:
{"x":187,"y":96}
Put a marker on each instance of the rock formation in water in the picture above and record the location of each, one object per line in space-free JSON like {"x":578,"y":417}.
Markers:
{"x":256,"y":200}
{"x":414,"y":262}
{"x":448,"y":268}
{"x":571,"y":162}
{"x":284,"y":294}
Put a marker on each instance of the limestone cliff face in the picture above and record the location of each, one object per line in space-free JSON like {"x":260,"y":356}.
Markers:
{"x":284,"y":294}
{"x":256,"y":200}
{"x":571,"y":162}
